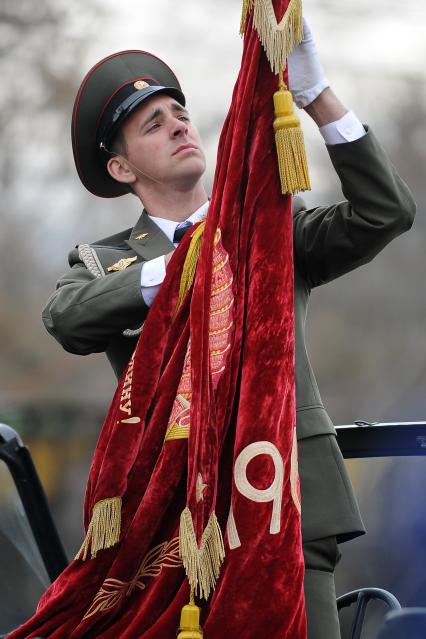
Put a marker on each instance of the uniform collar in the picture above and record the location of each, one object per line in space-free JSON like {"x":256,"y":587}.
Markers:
{"x":169,"y":226}
{"x":152,"y":236}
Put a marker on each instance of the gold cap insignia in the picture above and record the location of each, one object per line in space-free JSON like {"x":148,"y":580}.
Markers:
{"x":142,"y":236}
{"x":140,"y":84}
{"x":122,"y":264}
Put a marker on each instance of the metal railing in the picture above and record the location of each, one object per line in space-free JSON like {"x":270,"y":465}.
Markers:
{"x":388,"y":439}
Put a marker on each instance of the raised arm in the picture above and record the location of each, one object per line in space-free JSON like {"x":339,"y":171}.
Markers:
{"x":333,"y":240}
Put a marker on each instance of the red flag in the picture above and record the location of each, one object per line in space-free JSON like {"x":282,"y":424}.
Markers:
{"x":197,"y":457}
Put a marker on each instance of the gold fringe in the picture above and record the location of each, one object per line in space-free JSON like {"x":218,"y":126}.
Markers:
{"x":104,"y":528}
{"x":190,"y":264}
{"x":278,"y":39}
{"x":292,"y":162}
{"x":202,"y":565}
{"x":190,"y":620}
{"x":247,"y":7}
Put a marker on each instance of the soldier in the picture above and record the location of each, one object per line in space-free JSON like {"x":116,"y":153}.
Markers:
{"x":131,"y":132}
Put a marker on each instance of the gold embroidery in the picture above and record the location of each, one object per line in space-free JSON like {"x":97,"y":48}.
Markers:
{"x":176,"y":432}
{"x":221,"y":264}
{"x":220,"y":326}
{"x":219,"y":311}
{"x":165,"y":555}
{"x":221,"y":330}
{"x":220,"y":352}
{"x":224,"y":287}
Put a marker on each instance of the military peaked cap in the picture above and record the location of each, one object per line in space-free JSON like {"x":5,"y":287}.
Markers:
{"x":112,"y":90}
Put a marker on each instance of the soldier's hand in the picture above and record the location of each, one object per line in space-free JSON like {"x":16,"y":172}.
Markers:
{"x":306,"y":78}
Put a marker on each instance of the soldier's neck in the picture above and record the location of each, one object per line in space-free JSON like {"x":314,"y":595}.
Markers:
{"x":174,"y":204}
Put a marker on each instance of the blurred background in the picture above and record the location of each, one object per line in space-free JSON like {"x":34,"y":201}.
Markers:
{"x":366,"y":331}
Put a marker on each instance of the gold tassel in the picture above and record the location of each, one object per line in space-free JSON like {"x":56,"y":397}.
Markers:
{"x":247,"y":7}
{"x":292,"y":162}
{"x":278,"y":39}
{"x":104,"y":528}
{"x":190,"y":621}
{"x":202,"y":565}
{"x":190,"y":264}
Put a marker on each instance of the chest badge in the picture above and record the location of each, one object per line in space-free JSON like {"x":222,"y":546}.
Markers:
{"x":122,"y":264}
{"x":142,"y":236}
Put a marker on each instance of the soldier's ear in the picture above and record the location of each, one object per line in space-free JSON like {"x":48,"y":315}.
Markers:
{"x":120,"y":170}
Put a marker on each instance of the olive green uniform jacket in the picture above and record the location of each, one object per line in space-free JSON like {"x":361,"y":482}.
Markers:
{"x":92,"y":308}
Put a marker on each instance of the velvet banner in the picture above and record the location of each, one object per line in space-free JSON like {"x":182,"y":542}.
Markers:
{"x":194,"y":476}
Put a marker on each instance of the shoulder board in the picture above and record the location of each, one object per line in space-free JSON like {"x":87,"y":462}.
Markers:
{"x":116,"y":241}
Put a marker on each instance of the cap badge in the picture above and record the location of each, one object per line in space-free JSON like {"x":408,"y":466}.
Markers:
{"x":140,"y":84}
{"x":122,"y":264}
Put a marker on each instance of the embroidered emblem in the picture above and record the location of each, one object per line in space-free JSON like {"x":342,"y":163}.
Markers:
{"x":140,"y":84}
{"x":113,"y":591}
{"x":220,"y":325}
{"x":142,"y":236}
{"x":122,"y":264}
{"x":178,"y":427}
{"x":200,"y":488}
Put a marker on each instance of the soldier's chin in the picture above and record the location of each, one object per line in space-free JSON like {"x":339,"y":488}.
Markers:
{"x":192,"y":169}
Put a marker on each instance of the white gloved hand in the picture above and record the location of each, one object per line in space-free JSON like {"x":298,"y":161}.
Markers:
{"x":306,"y":79}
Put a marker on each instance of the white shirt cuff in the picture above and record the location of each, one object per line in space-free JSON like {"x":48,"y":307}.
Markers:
{"x":153,"y":273}
{"x":346,"y":129}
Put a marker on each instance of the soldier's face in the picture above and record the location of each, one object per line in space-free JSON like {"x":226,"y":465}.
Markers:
{"x":163,"y":144}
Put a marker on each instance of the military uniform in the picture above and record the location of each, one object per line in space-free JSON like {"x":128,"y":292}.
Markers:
{"x":95,"y":310}
{"x":98,"y":304}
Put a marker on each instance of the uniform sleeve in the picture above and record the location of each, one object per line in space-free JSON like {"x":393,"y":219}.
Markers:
{"x":85,"y":313}
{"x":332,"y":240}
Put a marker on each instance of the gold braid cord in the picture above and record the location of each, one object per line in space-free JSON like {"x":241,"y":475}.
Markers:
{"x":190,"y":264}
